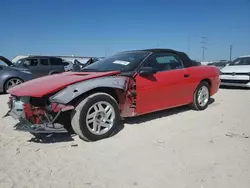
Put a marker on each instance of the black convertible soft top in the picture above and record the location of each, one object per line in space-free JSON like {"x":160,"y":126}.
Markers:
{"x":184,"y":57}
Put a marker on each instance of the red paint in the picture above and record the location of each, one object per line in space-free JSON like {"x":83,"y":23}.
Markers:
{"x":48,"y":84}
{"x":170,"y":88}
{"x":33,"y":114}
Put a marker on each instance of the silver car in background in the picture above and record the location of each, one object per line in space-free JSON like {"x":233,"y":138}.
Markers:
{"x":11,"y":76}
{"x":236,"y":73}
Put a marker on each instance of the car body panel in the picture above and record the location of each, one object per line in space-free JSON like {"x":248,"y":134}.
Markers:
{"x":235,"y":75}
{"x":7,"y":73}
{"x":52,"y":83}
{"x":72,"y":91}
{"x":172,"y":88}
{"x":161,"y":90}
{"x":236,"y":69}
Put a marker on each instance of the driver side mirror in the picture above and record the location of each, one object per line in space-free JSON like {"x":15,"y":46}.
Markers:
{"x":146,"y":71}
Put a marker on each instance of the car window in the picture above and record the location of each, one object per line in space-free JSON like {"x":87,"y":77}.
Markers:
{"x":65,"y":63}
{"x":241,"y":61}
{"x":31,"y":62}
{"x":124,"y":62}
{"x":44,"y":62}
{"x":164,"y":62}
{"x":56,"y":62}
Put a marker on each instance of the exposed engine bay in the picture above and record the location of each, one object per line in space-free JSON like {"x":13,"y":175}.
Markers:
{"x":47,"y":115}
{"x":37,"y":115}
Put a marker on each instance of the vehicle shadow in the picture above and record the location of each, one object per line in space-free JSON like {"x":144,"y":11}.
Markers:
{"x":52,"y":138}
{"x":68,"y":137}
{"x":160,"y":114}
{"x":234,"y":88}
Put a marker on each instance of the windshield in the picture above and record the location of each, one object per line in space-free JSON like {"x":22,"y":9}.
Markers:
{"x":124,"y":62}
{"x":241,"y":61}
{"x":19,"y":62}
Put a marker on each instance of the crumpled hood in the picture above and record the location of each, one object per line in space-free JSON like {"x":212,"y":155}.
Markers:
{"x":49,"y":84}
{"x":236,"y":69}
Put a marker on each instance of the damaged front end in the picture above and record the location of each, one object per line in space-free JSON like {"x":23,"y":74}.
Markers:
{"x":38,"y":115}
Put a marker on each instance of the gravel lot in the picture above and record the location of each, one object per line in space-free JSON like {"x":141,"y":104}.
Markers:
{"x":170,"y":149}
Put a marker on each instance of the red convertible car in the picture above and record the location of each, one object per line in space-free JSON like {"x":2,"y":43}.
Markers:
{"x":93,"y":101}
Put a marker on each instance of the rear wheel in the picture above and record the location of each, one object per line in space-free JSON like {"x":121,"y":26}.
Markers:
{"x":201,"y":96}
{"x":96,"y":117}
{"x":11,"y":83}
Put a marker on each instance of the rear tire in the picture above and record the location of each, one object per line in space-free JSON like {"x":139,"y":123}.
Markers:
{"x":96,"y":117}
{"x":201,"y":96}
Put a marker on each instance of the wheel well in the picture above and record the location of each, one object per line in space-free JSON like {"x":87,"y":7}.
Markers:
{"x":108,"y":90}
{"x":10,"y":79}
{"x":53,"y":72}
{"x":208,"y":81}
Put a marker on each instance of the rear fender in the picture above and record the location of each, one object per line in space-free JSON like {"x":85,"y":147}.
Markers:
{"x":73,"y":91}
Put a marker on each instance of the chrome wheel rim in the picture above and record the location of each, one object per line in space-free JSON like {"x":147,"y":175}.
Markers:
{"x":203,"y":96}
{"x":100,"y":118}
{"x":13,"y":82}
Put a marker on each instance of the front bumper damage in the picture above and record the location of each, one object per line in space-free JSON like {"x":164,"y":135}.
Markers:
{"x":36,"y":120}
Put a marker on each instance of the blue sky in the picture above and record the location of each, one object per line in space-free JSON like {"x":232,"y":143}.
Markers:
{"x":96,"y":28}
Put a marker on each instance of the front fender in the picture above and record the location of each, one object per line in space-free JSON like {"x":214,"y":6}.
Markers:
{"x":73,"y":91}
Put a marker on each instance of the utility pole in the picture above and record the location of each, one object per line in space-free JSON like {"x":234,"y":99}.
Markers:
{"x":203,"y":46}
{"x":231,"y":49}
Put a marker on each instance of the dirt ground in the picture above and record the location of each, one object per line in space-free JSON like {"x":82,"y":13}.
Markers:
{"x":177,"y":148}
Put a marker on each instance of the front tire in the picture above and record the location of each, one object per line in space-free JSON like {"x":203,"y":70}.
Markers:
{"x":12,"y":82}
{"x":96,"y":117}
{"x":201,"y":96}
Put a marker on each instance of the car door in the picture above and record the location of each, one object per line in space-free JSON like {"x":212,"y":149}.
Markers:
{"x":44,"y":66}
{"x":57,"y":65}
{"x":33,"y":65}
{"x":164,"y":89}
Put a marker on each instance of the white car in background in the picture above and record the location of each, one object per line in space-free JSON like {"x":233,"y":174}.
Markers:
{"x":236,"y":73}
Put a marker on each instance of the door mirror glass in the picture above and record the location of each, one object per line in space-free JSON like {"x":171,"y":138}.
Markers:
{"x":146,"y":71}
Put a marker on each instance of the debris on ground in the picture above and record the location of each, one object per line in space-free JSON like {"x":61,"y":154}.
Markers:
{"x":233,"y":135}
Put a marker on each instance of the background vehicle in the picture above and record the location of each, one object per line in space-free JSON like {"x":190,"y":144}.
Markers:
{"x":42,"y":65}
{"x":237,"y":73}
{"x":219,"y":64}
{"x":124,"y":85}
{"x":10,"y":76}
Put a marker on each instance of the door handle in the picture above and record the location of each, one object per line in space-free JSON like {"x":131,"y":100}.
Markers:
{"x":186,"y":75}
